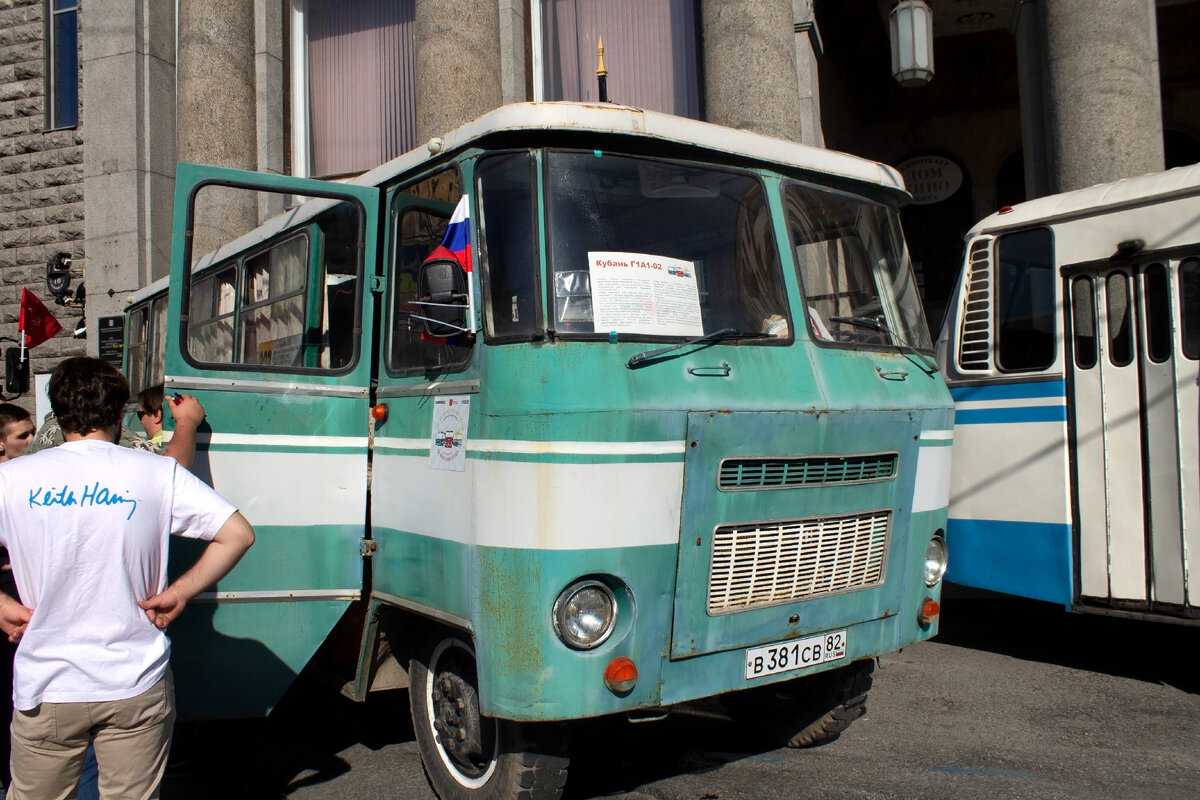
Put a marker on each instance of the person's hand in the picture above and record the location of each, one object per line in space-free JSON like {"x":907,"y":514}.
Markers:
{"x":163,"y":607}
{"x":187,"y":411}
{"x":14,"y":618}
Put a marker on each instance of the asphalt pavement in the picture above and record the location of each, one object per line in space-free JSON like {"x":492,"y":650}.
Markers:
{"x":1014,"y":699}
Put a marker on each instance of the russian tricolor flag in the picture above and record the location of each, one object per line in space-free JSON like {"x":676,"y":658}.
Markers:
{"x":456,"y":243}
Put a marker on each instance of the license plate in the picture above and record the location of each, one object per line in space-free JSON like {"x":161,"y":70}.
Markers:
{"x":796,"y":654}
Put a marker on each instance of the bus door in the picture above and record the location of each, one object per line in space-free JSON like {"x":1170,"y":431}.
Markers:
{"x":1134,"y":440}
{"x":421,"y":502}
{"x":270,"y":320}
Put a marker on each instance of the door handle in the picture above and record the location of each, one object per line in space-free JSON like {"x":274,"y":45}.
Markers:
{"x":721,"y":371}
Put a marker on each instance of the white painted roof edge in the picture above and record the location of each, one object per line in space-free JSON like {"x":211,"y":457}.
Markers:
{"x":604,"y":118}
{"x":1140,"y":190}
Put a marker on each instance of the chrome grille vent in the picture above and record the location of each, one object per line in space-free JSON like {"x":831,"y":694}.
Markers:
{"x":781,"y":473}
{"x":975,"y":328}
{"x":764,"y":564}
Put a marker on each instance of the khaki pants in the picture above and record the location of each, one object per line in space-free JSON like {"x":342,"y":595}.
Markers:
{"x":131,"y":736}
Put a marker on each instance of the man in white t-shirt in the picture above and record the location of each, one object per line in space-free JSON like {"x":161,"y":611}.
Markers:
{"x":86,"y":526}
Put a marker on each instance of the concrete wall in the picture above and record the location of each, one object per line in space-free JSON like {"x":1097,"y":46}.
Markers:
{"x":128,"y":69}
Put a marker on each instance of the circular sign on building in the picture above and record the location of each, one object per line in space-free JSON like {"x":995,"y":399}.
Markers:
{"x":930,"y":179}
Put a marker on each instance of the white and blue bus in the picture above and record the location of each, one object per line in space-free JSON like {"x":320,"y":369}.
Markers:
{"x":1071,"y":348}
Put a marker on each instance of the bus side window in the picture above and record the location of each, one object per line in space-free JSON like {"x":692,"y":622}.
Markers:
{"x":135,"y":349}
{"x":272,"y":318}
{"x":1083,"y":322}
{"x":418,"y":227}
{"x":509,"y":262}
{"x":280,"y":294}
{"x":1189,"y":307}
{"x":1025,"y":279}
{"x":1158,"y":314}
{"x":210,"y":318}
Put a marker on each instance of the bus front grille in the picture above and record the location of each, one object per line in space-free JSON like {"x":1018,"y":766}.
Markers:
{"x":769,"y":563}
{"x":742,"y":474}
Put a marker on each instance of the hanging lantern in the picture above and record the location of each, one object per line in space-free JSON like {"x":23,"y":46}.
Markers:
{"x":911,"y":25}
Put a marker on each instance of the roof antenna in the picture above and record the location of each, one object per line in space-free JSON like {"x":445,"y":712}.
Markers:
{"x":601,"y":73}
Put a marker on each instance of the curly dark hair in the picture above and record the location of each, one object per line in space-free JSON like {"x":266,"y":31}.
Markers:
{"x":87,"y":394}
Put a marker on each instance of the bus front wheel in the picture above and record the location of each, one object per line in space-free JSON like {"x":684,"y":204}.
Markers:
{"x":471,"y":757}
{"x":805,"y":712}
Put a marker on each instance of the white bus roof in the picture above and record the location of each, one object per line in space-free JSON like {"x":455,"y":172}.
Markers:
{"x":599,"y":119}
{"x":149,"y":290}
{"x":605,"y":118}
{"x":1144,"y":189}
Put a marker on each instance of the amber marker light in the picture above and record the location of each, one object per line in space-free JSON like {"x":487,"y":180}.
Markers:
{"x":379,"y":412}
{"x":929,"y":612}
{"x":620,"y":676}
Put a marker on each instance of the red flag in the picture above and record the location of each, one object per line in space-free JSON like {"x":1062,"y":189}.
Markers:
{"x":36,"y":320}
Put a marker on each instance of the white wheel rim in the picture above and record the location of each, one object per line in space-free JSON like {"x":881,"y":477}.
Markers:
{"x":447,"y":761}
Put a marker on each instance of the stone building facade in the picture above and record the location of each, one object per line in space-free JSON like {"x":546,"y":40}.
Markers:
{"x":1028,"y":97}
{"x":41,"y":183}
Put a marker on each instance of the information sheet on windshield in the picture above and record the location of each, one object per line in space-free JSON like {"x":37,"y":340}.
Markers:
{"x":642,"y":293}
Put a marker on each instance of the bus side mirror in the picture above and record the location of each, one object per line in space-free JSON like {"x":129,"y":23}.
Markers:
{"x":442,"y":293}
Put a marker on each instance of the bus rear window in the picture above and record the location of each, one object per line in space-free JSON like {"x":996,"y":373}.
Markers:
{"x":1025,"y":279}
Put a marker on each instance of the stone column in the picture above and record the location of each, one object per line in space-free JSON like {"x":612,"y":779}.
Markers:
{"x":1033,"y":117}
{"x":808,"y":50}
{"x":128,"y":94}
{"x":217,"y":114}
{"x":458,"y":63}
{"x":750,"y":66}
{"x":512,"y":50}
{"x":1104,"y":109}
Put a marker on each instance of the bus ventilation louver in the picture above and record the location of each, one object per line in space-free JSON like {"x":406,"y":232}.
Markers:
{"x":764,"y":564}
{"x":747,"y":474}
{"x":976,"y":320}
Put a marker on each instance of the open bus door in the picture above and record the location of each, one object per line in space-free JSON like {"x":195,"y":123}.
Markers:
{"x":271,"y":313}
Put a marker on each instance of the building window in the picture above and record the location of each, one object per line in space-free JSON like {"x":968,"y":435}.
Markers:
{"x":650,"y":52}
{"x":62,"y":64}
{"x":353,"y":84}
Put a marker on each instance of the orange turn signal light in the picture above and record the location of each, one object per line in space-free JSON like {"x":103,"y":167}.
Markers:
{"x":379,"y":412}
{"x":929,"y":612}
{"x":620,"y":676}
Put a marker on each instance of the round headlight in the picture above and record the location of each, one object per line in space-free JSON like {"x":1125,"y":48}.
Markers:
{"x":936,"y":555}
{"x":585,"y":614}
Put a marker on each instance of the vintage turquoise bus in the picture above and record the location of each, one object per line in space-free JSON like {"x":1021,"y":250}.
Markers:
{"x":578,"y":410}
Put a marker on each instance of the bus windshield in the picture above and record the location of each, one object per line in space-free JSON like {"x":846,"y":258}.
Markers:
{"x":854,"y":270}
{"x":660,"y":249}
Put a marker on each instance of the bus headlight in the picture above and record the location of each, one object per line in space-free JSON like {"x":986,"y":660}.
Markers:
{"x":936,"y":556}
{"x":585,"y":614}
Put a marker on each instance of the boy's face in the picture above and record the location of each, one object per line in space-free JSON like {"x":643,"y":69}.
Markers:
{"x":15,"y":437}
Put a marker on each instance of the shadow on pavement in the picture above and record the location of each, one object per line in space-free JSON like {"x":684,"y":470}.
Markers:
{"x":1045,"y":632}
{"x":261,"y":758}
{"x":611,"y":755}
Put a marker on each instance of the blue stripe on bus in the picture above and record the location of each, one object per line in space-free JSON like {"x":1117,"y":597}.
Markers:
{"x":985,"y":416}
{"x":1009,"y":391}
{"x":1027,"y":559}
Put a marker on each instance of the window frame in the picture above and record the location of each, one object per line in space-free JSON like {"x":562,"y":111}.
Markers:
{"x":999,"y":299}
{"x":397,"y":209}
{"x":54,"y":79}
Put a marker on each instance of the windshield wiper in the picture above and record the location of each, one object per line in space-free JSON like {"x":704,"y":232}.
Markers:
{"x":708,"y":338}
{"x":866,"y":322}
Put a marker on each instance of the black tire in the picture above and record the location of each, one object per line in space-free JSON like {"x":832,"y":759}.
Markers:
{"x":805,"y":712}
{"x":471,"y":757}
